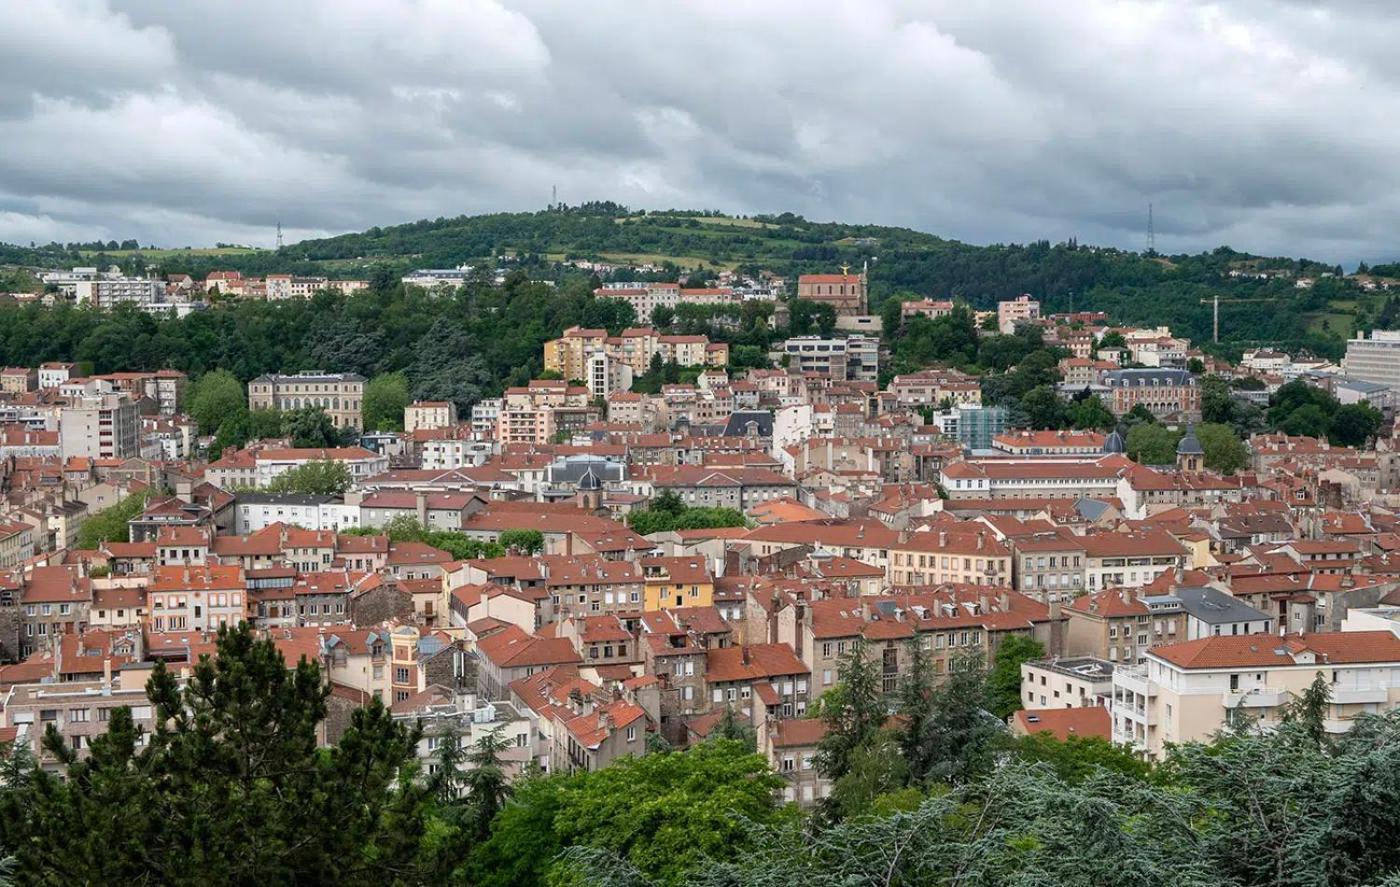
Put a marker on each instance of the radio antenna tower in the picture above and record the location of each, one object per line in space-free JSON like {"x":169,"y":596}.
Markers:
{"x":279,"y":235}
{"x":553,"y":196}
{"x":1151,"y":234}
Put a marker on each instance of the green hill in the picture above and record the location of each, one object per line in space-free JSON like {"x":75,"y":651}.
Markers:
{"x":1132,"y":287}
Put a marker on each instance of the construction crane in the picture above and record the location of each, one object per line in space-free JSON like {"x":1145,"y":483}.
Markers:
{"x":1215,"y":302}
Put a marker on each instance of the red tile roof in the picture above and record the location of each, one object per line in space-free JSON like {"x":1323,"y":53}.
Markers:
{"x":1062,"y":723}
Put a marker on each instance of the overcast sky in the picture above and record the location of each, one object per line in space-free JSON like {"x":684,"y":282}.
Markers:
{"x":1265,"y":124}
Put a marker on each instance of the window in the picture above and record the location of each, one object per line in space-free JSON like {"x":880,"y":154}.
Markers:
{"x":632,"y":734}
{"x":400,"y":675}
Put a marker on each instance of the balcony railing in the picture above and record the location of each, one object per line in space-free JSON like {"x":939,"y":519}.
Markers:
{"x":1259,"y":697}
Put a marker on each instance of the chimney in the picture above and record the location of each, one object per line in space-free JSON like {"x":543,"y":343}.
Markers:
{"x":984,"y":604}
{"x":107,"y":674}
{"x":1057,"y":630}
{"x":420,"y":504}
{"x":942,"y":538}
{"x":744,"y":653}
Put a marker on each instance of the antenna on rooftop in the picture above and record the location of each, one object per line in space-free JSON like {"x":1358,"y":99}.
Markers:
{"x":1151,"y":233}
{"x":279,"y":234}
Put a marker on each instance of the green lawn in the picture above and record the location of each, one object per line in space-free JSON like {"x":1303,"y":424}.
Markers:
{"x":1329,"y":321}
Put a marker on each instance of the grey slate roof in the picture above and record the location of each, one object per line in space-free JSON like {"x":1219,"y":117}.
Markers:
{"x":1215,"y":607}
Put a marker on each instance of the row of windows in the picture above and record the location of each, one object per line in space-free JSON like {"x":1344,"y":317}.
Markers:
{"x":47,"y":609}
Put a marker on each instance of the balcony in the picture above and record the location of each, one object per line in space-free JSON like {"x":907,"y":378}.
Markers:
{"x":1359,"y":695}
{"x":1265,"y":697}
{"x":1134,"y":680}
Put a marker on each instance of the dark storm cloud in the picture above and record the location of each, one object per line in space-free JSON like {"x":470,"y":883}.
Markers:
{"x":1261,"y":123}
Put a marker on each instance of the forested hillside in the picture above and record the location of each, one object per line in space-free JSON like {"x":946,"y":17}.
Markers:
{"x":1132,"y":287}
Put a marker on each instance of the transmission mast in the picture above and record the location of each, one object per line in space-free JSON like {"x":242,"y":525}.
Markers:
{"x":1151,"y":233}
{"x":279,"y":235}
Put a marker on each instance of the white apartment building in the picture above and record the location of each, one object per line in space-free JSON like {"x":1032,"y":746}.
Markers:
{"x":1079,"y":682}
{"x":644,"y":297}
{"x":108,"y":292}
{"x":1187,"y":692}
{"x":449,"y":453}
{"x":485,"y":415}
{"x":257,"y":511}
{"x":604,"y":375}
{"x":360,"y":462}
{"x":1376,"y":359}
{"x":434,"y":278}
{"x":100,"y":425}
{"x":855,"y":358}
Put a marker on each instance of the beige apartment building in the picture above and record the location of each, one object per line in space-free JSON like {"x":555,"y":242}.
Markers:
{"x":1187,"y":692}
{"x":78,"y":710}
{"x":340,"y":395}
{"x":424,"y":414}
{"x":18,"y":380}
{"x":535,"y":414}
{"x":1018,"y":310}
{"x":932,"y":558}
{"x":569,"y":355}
{"x":1120,"y":626}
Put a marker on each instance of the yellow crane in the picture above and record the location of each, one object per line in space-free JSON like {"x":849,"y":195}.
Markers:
{"x":1215,"y":302}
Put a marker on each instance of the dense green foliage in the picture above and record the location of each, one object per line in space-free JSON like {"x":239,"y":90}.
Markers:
{"x":1154,"y":444}
{"x":219,"y":407}
{"x":407,"y":529}
{"x":667,"y":512}
{"x":1004,"y":680}
{"x":228,"y":788}
{"x":456,"y":347}
{"x":325,"y":478}
{"x":1298,"y":408}
{"x":384,"y":401}
{"x":214,"y":398}
{"x":665,"y":814}
{"x":523,"y":541}
{"x":110,"y":524}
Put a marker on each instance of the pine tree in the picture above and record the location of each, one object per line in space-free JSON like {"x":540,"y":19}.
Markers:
{"x":961,"y":731}
{"x":487,"y":786}
{"x":1310,"y":709}
{"x":447,"y":781}
{"x":916,"y":710}
{"x":853,"y":710}
{"x":230,"y":787}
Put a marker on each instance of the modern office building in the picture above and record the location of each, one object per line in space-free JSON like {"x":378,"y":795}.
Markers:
{"x":1376,"y":359}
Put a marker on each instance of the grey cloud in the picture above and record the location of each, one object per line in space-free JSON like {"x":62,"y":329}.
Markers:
{"x":1261,"y":123}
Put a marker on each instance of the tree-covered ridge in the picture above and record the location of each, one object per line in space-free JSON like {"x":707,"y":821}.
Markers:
{"x":1132,"y":287}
